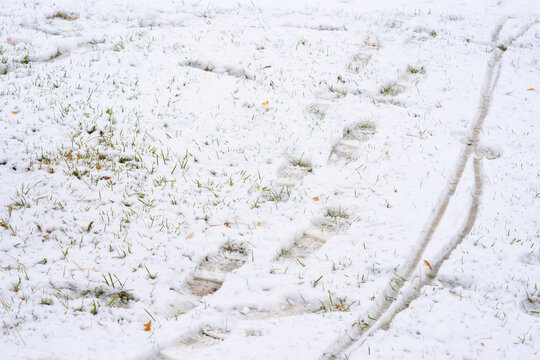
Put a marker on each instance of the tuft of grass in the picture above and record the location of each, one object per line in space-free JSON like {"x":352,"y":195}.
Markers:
{"x":26,"y":60}
{"x":231,"y":247}
{"x":305,"y":164}
{"x":416,"y":70}
{"x":336,"y":213}
{"x":391,"y":90}
{"x":57,"y":54}
{"x":277,"y":196}
{"x":338,"y":92}
{"x":118,"y":46}
{"x":317,"y":110}
{"x":283,"y":252}
{"x":46,"y":301}
{"x":64,"y":16}
{"x":338,"y":304}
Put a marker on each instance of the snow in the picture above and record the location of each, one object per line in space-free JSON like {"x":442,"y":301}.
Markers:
{"x":257,"y":179}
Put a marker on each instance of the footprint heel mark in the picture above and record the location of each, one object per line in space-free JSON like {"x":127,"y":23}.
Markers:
{"x":192,"y":344}
{"x":209,"y":276}
{"x":353,"y":137}
{"x":311,"y":241}
{"x":294,"y":171}
{"x":336,"y":220}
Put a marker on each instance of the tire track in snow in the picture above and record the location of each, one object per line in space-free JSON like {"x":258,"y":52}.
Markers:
{"x":389,"y":304}
{"x":420,"y":279}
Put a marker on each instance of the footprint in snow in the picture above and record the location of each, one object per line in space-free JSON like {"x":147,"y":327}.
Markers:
{"x":209,"y":276}
{"x":351,"y":140}
{"x":288,"y":176}
{"x":192,"y":344}
{"x":334,"y":221}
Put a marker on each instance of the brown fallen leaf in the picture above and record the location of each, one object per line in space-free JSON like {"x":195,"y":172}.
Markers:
{"x":428,"y":264}
{"x":105,"y":178}
{"x":529,"y":89}
{"x":190,"y":236}
{"x":148,"y":326}
{"x":316,"y":198}
{"x":15,"y":112}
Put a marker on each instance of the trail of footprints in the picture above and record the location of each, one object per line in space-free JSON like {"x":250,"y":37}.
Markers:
{"x":210,"y":274}
{"x":296,"y":169}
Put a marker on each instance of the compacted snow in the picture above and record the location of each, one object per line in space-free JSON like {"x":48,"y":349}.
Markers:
{"x":269,"y":179}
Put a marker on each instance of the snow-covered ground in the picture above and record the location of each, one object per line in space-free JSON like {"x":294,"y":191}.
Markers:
{"x":269,"y":179}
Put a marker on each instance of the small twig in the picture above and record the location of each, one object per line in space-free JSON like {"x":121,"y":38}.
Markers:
{"x":216,"y":337}
{"x":228,"y":224}
{"x":11,"y":319}
{"x":416,"y":136}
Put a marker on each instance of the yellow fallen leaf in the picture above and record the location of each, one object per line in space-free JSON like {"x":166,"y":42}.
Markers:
{"x":529,"y":89}
{"x":316,"y":198}
{"x":258,"y":223}
{"x":265,"y":103}
{"x":428,"y":264}
{"x":190,"y":236}
{"x":15,"y":112}
{"x":148,"y":326}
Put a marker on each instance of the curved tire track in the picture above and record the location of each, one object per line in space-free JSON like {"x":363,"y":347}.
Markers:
{"x":393,"y":300}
